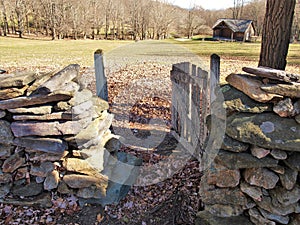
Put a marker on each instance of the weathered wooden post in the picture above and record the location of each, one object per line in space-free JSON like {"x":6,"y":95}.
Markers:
{"x":101,"y":81}
{"x":214,"y":75}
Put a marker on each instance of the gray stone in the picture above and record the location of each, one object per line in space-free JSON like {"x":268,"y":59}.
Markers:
{"x":83,"y":167}
{"x":288,"y":90}
{"x":265,"y":130}
{"x":34,"y":100}
{"x":286,"y":197}
{"x":273,"y":206}
{"x":223,"y":177}
{"x":273,"y":217}
{"x":41,"y":201}
{"x":251,"y":86}
{"x":297,"y":118}
{"x":243,"y":160}
{"x":289,"y":178}
{"x":295,"y":220}
{"x":92,"y":192}
{"x":21,"y":173}
{"x":2,"y":114}
{"x":278,"y":169}
{"x":94,"y":156}
{"x":81,"y":97}
{"x":252,"y":191}
{"x":83,"y":181}
{"x":32,"y":189}
{"x":233,"y":145}
{"x":6,"y":136}
{"x":293,"y":161}
{"x":39,"y":180}
{"x":51,"y":181}
{"x":44,"y":157}
{"x":284,"y":108}
{"x":113,"y":145}
{"x":225,"y":210}
{"x":43,"y":170}
{"x":5,"y":177}
{"x":63,"y":106}
{"x":259,"y":152}
{"x":296,"y":108}
{"x":13,"y":163}
{"x":6,"y":151}
{"x":278,"y":154}
{"x":17,"y":80}
{"x":41,"y":79}
{"x":206,"y":218}
{"x":237,"y":101}
{"x":4,"y":190}
{"x":42,"y":110}
{"x":261,"y":177}
{"x":258,"y":219}
{"x":12,"y":92}
{"x":50,"y":145}
{"x":63,"y":188}
{"x":53,"y":116}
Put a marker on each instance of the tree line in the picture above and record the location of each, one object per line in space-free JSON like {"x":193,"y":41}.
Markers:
{"x":117,"y":19}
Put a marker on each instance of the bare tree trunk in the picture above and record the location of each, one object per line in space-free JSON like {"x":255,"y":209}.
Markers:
{"x":5,"y":26}
{"x":276,"y":33}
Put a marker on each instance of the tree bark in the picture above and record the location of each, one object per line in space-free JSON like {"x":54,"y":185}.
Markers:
{"x":276,"y":33}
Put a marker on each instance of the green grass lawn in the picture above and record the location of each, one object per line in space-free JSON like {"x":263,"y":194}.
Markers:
{"x":235,"y":50}
{"x":15,"y":52}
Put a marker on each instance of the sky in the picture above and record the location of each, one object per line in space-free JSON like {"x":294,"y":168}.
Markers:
{"x":206,"y":4}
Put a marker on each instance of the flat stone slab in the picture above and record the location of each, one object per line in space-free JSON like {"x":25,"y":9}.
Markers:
{"x":12,"y":92}
{"x":50,"y":145}
{"x":206,"y":218}
{"x":42,"y":110}
{"x":6,"y":136}
{"x":46,"y":117}
{"x":34,"y":100}
{"x":288,"y":90}
{"x":266,"y":130}
{"x":16,"y":80}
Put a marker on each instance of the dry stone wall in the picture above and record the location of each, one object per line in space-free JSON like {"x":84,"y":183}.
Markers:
{"x":255,"y":177}
{"x":55,"y":136}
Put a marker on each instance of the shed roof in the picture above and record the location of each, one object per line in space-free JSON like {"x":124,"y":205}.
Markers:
{"x":234,"y":25}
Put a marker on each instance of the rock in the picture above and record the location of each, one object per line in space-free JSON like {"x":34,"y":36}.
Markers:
{"x":278,"y":169}
{"x":82,"y":181}
{"x":225,"y":210}
{"x":4,"y":190}
{"x":293,"y":161}
{"x":273,"y":74}
{"x":92,"y":192}
{"x":44,"y":157}
{"x":21,"y":173}
{"x":23,"y":129}
{"x":59,"y":81}
{"x":43,"y":170}
{"x":113,"y":145}
{"x":233,"y":145}
{"x":259,"y":152}
{"x":278,"y":154}
{"x":206,"y":218}
{"x":42,"y":110}
{"x":53,"y":116}
{"x":289,"y":178}
{"x":251,"y":86}
{"x":52,"y":180}
{"x":287,"y":90}
{"x":297,"y":119}
{"x":63,"y":106}
{"x":265,"y":130}
{"x":83,"y":167}
{"x":34,"y":100}
{"x":243,"y":160}
{"x":284,"y":108}
{"x":39,"y":81}
{"x":273,"y":217}
{"x":223,"y":177}
{"x":29,"y":190}
{"x":94,"y":156}
{"x":258,"y":219}
{"x":2,"y":114}
{"x":14,"y":162}
{"x":12,"y":92}
{"x":17,"y":80}
{"x":50,"y":145}
{"x":81,"y":97}
{"x":63,"y":188}
{"x":285,"y":197}
{"x":296,"y":108}
{"x":261,"y":177}
{"x":6,"y":151}
{"x":252,"y":191}
{"x":237,"y":101}
{"x":39,"y":180}
{"x":6,"y":136}
{"x":5,"y":177}
{"x":41,"y":201}
{"x":273,"y":206}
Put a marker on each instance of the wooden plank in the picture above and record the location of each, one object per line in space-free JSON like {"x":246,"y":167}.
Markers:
{"x":101,"y":81}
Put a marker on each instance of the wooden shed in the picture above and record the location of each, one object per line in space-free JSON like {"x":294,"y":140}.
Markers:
{"x":234,"y":30}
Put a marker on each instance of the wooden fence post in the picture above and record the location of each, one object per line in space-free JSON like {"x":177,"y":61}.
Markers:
{"x":101,"y":81}
{"x":214,"y":75}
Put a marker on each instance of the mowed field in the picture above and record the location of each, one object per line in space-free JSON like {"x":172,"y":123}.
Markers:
{"x":31,"y":54}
